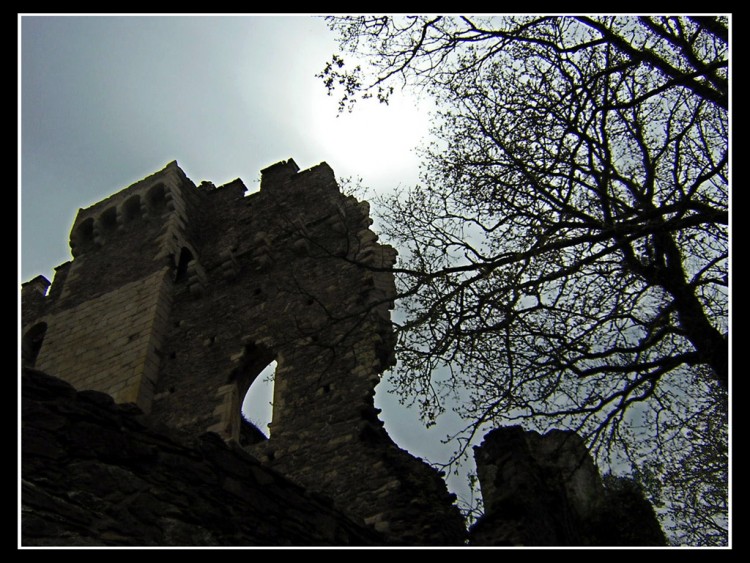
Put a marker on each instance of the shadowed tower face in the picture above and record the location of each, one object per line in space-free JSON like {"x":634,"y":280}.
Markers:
{"x":179,"y":296}
{"x":106,"y":313}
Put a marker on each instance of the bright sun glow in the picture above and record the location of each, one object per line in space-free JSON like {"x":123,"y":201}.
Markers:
{"x":375,"y":142}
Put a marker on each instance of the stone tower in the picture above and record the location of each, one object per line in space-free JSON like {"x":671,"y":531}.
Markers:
{"x":178,"y":296}
{"x":102,"y":324}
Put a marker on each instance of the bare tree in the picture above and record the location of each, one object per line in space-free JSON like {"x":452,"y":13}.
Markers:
{"x":565,"y":258}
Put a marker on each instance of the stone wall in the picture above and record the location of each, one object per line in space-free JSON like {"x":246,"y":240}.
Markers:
{"x":177,"y":297}
{"x":217,"y":284}
{"x":110,"y":342}
{"x":545,"y":490}
{"x":93,"y":474}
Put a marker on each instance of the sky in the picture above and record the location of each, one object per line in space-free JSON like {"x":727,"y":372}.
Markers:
{"x":105,"y":101}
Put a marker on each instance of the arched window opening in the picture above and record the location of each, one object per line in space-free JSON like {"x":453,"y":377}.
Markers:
{"x":31,"y":343}
{"x":131,"y":209}
{"x":257,"y":407}
{"x":157,"y":199}
{"x":108,"y":219}
{"x":251,"y":408}
{"x":182,"y":265}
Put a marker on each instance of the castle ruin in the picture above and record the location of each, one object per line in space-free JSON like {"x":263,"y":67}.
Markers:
{"x":177,"y":298}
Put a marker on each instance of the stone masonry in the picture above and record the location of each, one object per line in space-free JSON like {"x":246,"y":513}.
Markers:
{"x":178,"y":296}
{"x":95,"y":475}
{"x":545,"y":490}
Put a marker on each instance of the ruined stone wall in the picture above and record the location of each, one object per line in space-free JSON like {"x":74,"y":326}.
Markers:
{"x":290,"y":279}
{"x":93,"y":474}
{"x":546,"y":490}
{"x":179,"y":296}
{"x":217,"y":284}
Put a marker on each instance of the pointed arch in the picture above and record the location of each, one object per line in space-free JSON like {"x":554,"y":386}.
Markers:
{"x":257,"y":404}
{"x":250,"y":363}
